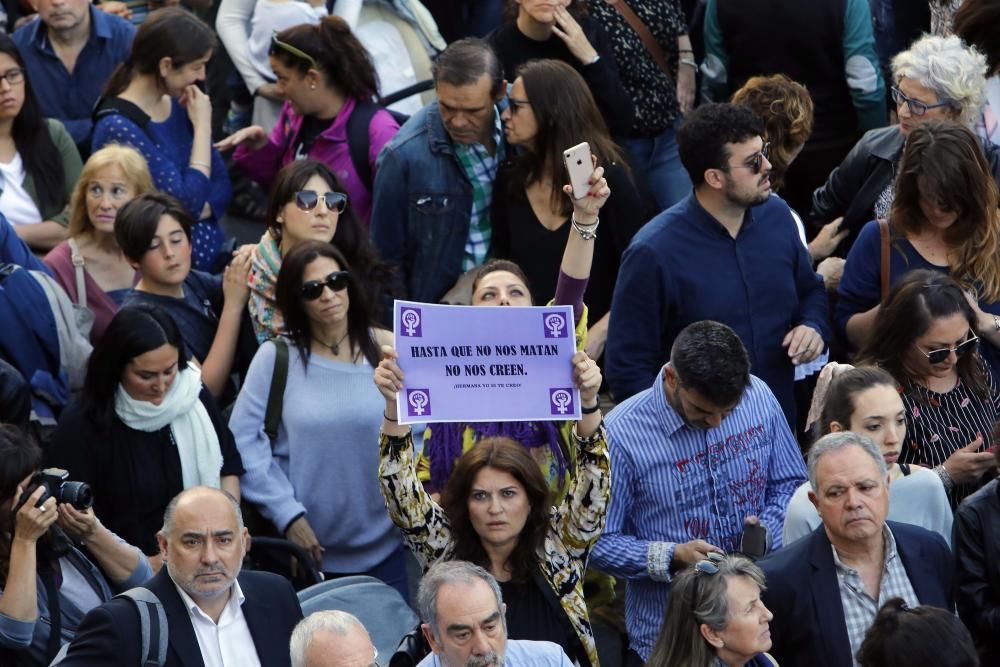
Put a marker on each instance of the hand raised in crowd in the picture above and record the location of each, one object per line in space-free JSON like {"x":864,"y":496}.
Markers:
{"x":235,"y":288}
{"x":254,"y":136}
{"x":33,"y":522}
{"x":827,"y":240}
{"x":81,"y":524}
{"x":198,"y":105}
{"x":685,"y":88}
{"x":689,"y":553}
{"x":115,"y":7}
{"x":804,"y":344}
{"x":302,"y":534}
{"x":389,"y":378}
{"x":587,"y":378}
{"x":586,"y":209}
{"x":967,"y":464}
{"x":568,"y":30}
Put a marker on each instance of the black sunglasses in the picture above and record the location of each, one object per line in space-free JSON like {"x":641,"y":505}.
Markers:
{"x":757,"y":160}
{"x":964,"y":348}
{"x":336,"y":281}
{"x":307,"y":200}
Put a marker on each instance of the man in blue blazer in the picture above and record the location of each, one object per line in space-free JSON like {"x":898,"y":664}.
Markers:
{"x":216,"y":616}
{"x":826,"y":588}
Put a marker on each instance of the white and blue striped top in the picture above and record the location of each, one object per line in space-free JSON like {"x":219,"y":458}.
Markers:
{"x":673,"y":483}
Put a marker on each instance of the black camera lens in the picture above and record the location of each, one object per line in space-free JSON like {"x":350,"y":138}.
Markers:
{"x":77,"y":494}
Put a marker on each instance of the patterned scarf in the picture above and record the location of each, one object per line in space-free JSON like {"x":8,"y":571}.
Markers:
{"x":264,"y":266}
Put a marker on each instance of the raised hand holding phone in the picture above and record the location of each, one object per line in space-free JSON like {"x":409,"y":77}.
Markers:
{"x":579,"y":165}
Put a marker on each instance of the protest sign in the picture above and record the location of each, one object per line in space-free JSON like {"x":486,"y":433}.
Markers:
{"x":469,"y":364}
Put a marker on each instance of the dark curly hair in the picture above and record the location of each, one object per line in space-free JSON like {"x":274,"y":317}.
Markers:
{"x":702,"y":138}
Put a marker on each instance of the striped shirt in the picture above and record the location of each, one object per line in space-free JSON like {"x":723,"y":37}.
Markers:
{"x":673,"y":483}
{"x":481,"y":169}
{"x":938,"y":424}
{"x":859,"y":607}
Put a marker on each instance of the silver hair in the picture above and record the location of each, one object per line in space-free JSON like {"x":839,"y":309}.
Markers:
{"x":451,"y":572}
{"x":833,"y":442}
{"x":954,"y":71}
{"x":333,"y":621}
{"x":168,"y":514}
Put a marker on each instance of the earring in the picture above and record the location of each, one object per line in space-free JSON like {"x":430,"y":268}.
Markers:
{"x":312,"y":86}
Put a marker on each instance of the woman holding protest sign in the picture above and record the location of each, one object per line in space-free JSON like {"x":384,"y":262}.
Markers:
{"x":328,"y":416}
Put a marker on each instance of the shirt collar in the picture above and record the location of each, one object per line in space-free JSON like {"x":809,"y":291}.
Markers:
{"x":672,"y":421}
{"x":708,"y":221}
{"x":889,"y":548}
{"x":100,"y":28}
{"x":235,"y":603}
{"x":497,"y":137}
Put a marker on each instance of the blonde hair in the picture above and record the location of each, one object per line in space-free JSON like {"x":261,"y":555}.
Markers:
{"x":954,"y":71}
{"x":133,"y":166}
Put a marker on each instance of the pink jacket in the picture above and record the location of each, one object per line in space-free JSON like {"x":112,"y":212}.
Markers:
{"x":330,"y":148}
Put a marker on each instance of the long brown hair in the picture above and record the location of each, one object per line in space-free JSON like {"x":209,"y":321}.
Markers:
{"x":943,"y":161}
{"x":343,"y":61}
{"x":913,"y":304}
{"x":511,"y":457}
{"x":840,"y":404}
{"x":566,"y":114}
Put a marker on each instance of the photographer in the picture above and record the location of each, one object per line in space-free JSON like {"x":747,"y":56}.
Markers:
{"x":84,"y":577}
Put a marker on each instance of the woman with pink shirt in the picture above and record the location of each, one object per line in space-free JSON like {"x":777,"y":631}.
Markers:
{"x":326,"y":75}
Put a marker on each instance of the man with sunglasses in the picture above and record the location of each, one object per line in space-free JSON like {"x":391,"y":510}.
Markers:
{"x":434,"y":181}
{"x":697,"y":457}
{"x":826,"y":588}
{"x":729,"y":252}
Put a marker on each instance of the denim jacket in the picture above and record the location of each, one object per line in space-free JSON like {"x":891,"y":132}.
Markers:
{"x":422,"y":207}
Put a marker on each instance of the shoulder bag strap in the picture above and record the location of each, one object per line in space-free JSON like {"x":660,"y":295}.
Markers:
{"x":358,"y":140}
{"x":81,"y":280}
{"x":652,"y":46}
{"x":883,"y":231}
{"x":48,"y":577}
{"x":276,"y":394}
{"x":152,"y":624}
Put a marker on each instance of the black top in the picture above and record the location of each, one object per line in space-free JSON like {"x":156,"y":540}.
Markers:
{"x":520,"y":237}
{"x":533,"y":617}
{"x":513,"y":49}
{"x":311,"y":128}
{"x":133,"y":474}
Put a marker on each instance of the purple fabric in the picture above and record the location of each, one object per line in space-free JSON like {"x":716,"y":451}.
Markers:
{"x":330,"y":148}
{"x":444,"y":447}
{"x":569,"y":291}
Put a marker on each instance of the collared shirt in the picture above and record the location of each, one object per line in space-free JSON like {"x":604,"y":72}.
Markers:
{"x":481,"y":169}
{"x":859,"y":607}
{"x":227,"y":643}
{"x":674,"y":483}
{"x":520,"y":653}
{"x":70,"y":96}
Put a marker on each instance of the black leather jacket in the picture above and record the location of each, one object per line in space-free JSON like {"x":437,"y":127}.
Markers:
{"x":853,"y":188}
{"x":976,"y":542}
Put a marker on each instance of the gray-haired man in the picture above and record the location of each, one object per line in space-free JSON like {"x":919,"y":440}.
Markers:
{"x":332,"y":639}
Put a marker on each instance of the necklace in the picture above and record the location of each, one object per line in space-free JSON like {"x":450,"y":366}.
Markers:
{"x":334,"y":347}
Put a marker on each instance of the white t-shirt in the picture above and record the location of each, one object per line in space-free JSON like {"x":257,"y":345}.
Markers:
{"x":270,"y":17}
{"x":15,"y":202}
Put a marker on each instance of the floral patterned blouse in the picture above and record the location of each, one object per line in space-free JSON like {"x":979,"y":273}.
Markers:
{"x":574,"y":524}
{"x":653,"y":93}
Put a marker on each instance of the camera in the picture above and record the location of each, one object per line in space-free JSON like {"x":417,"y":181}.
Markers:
{"x":58,"y":485}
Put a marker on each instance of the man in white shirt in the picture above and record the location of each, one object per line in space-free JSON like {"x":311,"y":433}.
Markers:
{"x":332,"y":639}
{"x":463,"y":613}
{"x":216,"y":616}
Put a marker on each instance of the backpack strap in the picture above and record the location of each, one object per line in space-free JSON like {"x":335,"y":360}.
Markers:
{"x":153,"y":626}
{"x":884,"y":259}
{"x":359,"y":141}
{"x":276,"y":394}
{"x":108,"y":106}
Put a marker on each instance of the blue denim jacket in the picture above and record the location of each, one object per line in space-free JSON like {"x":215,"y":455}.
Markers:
{"x":422,"y":206}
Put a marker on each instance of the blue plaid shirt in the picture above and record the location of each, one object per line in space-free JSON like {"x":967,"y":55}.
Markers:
{"x":673,"y":483}
{"x":481,"y":169}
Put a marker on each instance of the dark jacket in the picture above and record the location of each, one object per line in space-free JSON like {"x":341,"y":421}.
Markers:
{"x":109,"y":635}
{"x":976,"y":539}
{"x":854,"y":186}
{"x":804,"y":596}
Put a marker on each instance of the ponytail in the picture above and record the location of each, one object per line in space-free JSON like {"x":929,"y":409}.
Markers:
{"x":119,"y":80}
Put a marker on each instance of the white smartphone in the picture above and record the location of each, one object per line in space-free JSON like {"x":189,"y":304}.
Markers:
{"x":580,"y":167}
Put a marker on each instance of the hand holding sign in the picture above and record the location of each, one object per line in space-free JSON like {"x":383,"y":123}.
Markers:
{"x":587,"y":378}
{"x":389,"y":381}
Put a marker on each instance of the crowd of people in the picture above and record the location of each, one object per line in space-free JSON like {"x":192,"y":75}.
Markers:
{"x":784,"y":280}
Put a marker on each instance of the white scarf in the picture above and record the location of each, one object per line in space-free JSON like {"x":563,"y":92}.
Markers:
{"x":193,"y":432}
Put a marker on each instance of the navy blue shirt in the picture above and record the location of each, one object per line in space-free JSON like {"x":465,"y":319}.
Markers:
{"x":684,"y":267}
{"x":70,"y":97}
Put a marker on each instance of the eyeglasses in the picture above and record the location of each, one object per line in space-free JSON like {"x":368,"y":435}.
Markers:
{"x":336,"y":281}
{"x":710,"y":565}
{"x":297,"y":52}
{"x":307,"y":200}
{"x":13,"y":76}
{"x":964,"y":348}
{"x":515,"y":104}
{"x":917,"y":108}
{"x":757,"y":161}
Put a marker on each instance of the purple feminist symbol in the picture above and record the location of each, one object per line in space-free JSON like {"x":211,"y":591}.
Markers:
{"x":418,"y":402}
{"x":555,"y":325}
{"x":410,"y":317}
{"x":561,"y":401}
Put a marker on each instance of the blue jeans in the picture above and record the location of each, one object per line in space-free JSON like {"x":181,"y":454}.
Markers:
{"x":658,"y":160}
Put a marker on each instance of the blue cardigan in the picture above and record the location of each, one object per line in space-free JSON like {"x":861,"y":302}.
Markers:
{"x":683,"y":267}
